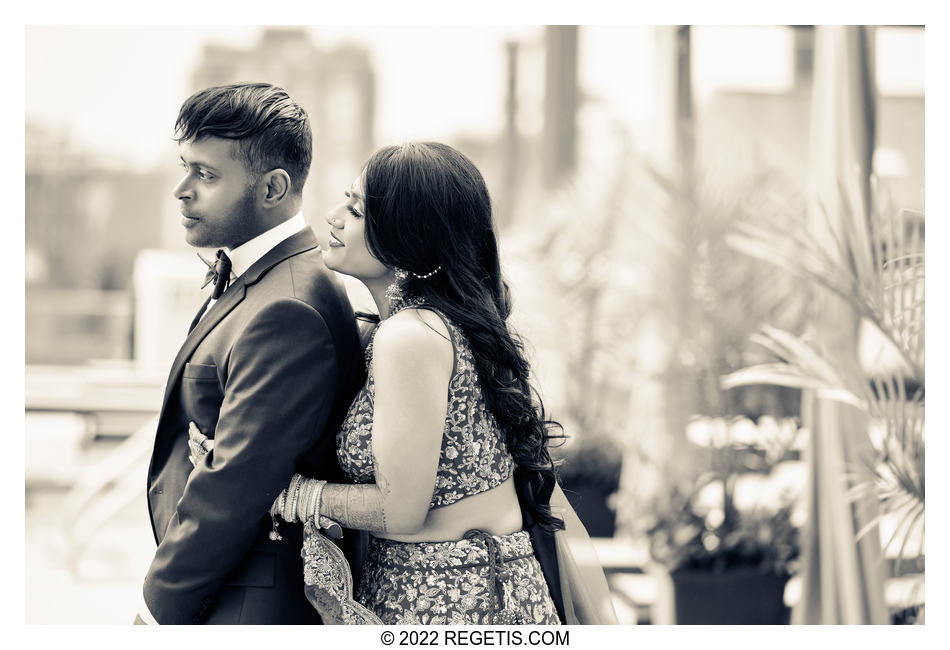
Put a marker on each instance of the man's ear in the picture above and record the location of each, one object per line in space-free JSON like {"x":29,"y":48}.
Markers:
{"x":277,"y":187}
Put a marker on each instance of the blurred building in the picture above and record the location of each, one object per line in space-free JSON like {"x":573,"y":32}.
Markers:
{"x":335,"y":86}
{"x":84,"y":223}
{"x":740,"y":132}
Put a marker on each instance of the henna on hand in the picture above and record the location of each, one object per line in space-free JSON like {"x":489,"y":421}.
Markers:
{"x":354,"y":506}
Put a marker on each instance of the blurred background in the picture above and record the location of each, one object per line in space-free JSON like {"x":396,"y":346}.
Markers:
{"x":714,"y":237}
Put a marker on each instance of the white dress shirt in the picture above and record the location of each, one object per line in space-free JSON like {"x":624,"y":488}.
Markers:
{"x":243,"y":257}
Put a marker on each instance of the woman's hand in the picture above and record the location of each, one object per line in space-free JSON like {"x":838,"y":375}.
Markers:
{"x":198,"y":443}
{"x":413,"y":359}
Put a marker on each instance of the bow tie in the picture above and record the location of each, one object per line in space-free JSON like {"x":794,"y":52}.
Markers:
{"x":219,"y":272}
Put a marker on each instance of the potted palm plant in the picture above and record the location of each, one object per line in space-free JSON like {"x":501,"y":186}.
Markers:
{"x":651,"y":264}
{"x":876,"y":267}
{"x":729,"y":561}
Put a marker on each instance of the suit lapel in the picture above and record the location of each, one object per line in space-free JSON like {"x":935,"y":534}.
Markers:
{"x":228,"y":301}
{"x":302,"y":241}
{"x":298,"y":243}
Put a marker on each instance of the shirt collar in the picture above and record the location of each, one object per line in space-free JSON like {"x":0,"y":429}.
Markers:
{"x":244,"y":256}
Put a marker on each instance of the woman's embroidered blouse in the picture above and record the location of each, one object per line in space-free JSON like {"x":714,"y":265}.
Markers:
{"x":474,"y":457}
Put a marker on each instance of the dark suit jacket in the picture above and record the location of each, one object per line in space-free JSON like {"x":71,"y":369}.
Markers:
{"x":268,"y":373}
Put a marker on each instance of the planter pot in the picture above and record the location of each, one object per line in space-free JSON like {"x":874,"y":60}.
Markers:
{"x":739,"y":597}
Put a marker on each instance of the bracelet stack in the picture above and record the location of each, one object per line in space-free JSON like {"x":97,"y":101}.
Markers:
{"x":308,"y":503}
{"x":301,"y":502}
{"x":289,"y":511}
{"x":313,"y":507}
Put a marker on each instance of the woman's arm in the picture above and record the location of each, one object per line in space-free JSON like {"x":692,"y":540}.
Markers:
{"x":412,"y":365}
{"x":362,"y":507}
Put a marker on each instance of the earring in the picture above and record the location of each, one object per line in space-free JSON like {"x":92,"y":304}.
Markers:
{"x":399,"y":295}
{"x":395,"y":291}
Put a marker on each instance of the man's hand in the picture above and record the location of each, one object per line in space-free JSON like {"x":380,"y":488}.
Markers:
{"x":198,"y":443}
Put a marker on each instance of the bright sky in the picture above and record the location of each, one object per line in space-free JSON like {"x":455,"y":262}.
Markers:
{"x":117,"y":89}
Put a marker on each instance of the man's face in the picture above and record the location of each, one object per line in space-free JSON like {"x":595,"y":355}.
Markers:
{"x":217,"y":195}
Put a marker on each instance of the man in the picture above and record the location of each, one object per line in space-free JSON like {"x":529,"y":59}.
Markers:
{"x":267,"y":370}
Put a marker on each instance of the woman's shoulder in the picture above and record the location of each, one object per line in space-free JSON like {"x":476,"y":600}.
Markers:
{"x":415,"y":331}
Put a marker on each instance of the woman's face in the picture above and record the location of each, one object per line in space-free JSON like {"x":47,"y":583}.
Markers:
{"x":347,"y":252}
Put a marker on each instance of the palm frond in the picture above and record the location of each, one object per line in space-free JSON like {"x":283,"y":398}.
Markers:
{"x":846,"y":384}
{"x":876,"y":265}
{"x":860,"y":268}
{"x":777,"y":375}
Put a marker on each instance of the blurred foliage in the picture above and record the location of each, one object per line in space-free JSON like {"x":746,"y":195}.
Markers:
{"x":682,"y":537}
{"x":626,"y":246}
{"x":699,"y":524}
{"x":650,"y":298}
{"x":876,"y":264}
{"x":717,"y":301}
{"x":591,"y":461}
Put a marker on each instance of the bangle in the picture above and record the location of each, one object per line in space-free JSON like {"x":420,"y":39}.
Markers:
{"x":316,"y":488}
{"x":289,"y":509}
{"x":304,"y":494}
{"x":315,"y":503}
{"x":297,"y":496}
{"x":282,"y":502}
{"x":306,"y":499}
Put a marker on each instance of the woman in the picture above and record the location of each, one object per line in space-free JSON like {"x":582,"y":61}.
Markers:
{"x":446,"y":419}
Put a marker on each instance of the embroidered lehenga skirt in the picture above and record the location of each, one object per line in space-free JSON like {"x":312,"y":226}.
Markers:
{"x":482,"y":579}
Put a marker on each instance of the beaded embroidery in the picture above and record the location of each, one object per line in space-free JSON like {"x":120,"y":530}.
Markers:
{"x":329,"y":583}
{"x":454,"y":583}
{"x":474,"y":457}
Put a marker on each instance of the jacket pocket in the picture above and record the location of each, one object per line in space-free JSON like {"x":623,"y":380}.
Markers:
{"x":200,"y":371}
{"x":201,"y":396}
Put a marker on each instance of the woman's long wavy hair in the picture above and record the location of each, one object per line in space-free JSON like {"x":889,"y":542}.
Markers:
{"x":427,"y":207}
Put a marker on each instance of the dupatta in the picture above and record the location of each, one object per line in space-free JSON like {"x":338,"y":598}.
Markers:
{"x":568,"y":561}
{"x":584,"y":589}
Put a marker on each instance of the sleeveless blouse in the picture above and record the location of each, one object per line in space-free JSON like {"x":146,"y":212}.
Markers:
{"x":474,"y":457}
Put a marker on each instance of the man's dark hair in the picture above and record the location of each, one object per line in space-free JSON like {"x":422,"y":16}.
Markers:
{"x":271,"y":129}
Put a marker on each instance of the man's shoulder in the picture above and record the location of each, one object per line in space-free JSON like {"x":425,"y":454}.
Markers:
{"x":303,"y":276}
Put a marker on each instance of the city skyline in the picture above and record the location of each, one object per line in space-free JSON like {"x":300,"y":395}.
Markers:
{"x":431,"y":83}
{"x":84,"y":64}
